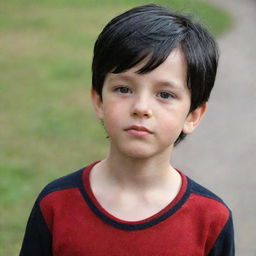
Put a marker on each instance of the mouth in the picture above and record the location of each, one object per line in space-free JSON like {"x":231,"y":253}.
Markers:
{"x":137,"y":130}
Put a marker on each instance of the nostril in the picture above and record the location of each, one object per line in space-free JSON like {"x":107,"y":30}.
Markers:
{"x":146,"y":113}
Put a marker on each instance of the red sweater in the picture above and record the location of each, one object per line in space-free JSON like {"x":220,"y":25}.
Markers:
{"x":67,"y":220}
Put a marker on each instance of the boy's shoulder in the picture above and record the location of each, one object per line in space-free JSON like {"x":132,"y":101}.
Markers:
{"x":198,"y":189}
{"x":205,"y":201}
{"x":69,"y":181}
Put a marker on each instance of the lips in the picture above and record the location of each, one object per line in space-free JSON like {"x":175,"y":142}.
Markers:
{"x":138,"y":130}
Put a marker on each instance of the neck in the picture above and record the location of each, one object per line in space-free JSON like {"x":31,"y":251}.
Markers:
{"x":142,"y":173}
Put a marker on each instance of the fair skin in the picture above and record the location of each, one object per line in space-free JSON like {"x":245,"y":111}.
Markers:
{"x":143,"y":115}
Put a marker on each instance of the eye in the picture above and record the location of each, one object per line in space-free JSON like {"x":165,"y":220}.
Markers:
{"x":123,"y":90}
{"x":165,"y":95}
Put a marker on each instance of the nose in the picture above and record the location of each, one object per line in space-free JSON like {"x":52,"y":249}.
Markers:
{"x":141,"y":108}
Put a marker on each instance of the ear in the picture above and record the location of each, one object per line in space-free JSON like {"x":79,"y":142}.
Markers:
{"x":193,"y":119}
{"x":97,"y":104}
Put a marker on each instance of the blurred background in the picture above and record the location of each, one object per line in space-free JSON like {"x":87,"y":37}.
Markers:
{"x":48,"y":128}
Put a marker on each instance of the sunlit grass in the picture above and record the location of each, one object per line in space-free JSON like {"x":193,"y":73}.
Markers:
{"x":47,"y":126}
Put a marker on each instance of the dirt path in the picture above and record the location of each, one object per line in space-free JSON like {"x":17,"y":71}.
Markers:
{"x":221,"y":154}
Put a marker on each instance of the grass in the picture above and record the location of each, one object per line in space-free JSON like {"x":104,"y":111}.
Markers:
{"x":48,"y":127}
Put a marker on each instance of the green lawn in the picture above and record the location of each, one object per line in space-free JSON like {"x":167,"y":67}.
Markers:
{"x":47,"y":126}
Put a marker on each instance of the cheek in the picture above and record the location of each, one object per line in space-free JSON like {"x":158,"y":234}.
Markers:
{"x":113,"y":116}
{"x":172,"y":125}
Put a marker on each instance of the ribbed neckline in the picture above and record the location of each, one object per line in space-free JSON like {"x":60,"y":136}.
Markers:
{"x":94,"y":204}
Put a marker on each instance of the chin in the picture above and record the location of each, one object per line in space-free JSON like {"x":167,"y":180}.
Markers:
{"x":139,"y":152}
{"x":133,"y":151}
{"x":141,"y":149}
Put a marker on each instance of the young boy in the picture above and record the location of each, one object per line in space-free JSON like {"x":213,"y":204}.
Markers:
{"x":153,"y":71}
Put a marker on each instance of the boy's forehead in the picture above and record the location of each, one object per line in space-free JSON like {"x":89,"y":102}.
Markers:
{"x":173,"y":71}
{"x":175,"y":57}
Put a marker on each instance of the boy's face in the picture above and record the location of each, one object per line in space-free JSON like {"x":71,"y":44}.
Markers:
{"x":144,"y":114}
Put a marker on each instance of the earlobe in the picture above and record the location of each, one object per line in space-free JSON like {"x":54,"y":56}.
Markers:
{"x":194,"y":118}
{"x":97,"y":104}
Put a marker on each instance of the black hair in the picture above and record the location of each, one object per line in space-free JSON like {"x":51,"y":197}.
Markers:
{"x":152,"y":31}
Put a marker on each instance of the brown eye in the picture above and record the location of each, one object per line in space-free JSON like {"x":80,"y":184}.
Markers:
{"x":123,"y":89}
{"x":165,"y":95}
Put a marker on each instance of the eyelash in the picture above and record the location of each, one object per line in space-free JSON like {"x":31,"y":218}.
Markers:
{"x":161,"y":94}
{"x":168,"y":94}
{"x":120,"y":88}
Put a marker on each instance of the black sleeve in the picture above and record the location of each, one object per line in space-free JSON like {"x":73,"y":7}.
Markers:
{"x":37,"y":239}
{"x":225,"y":245}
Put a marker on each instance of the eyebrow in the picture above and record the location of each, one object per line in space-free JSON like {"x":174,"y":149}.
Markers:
{"x":162,"y":83}
{"x":171,"y":84}
{"x":119,"y":76}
